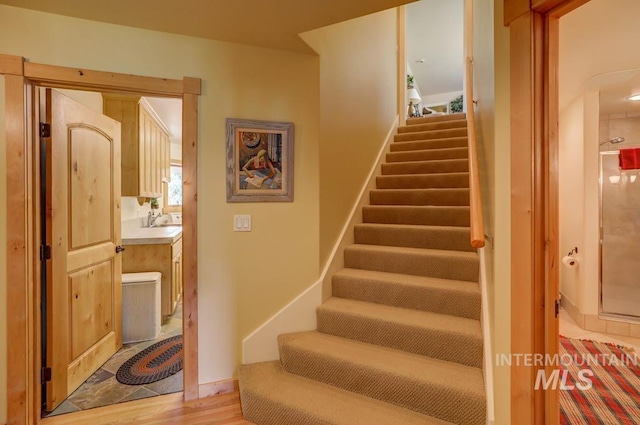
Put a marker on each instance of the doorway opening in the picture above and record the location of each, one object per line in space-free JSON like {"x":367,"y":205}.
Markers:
{"x":435,"y":58}
{"x":22,"y":82}
{"x":149,"y":244}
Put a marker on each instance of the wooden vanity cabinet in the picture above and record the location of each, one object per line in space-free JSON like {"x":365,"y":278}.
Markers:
{"x":176,"y":277}
{"x":145,"y":145}
{"x":164,"y":258}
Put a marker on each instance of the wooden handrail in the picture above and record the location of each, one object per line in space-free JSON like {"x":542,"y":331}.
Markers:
{"x":475,"y":200}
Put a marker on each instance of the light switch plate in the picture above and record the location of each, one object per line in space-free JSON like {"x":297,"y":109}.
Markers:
{"x":241,"y":223}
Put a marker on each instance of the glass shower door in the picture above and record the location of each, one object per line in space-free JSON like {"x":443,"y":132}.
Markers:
{"x":620,"y":237}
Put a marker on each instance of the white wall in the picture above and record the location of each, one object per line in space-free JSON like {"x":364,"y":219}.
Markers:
{"x":571,"y":194}
{"x":435,"y":34}
{"x":491,"y":87}
{"x":176,"y":150}
{"x":358,"y":78}
{"x":440,"y":98}
{"x":237,"y":291}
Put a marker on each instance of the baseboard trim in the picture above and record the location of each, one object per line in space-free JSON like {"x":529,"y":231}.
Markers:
{"x":211,"y":389}
{"x":488,"y":339}
{"x":300,"y":314}
{"x":601,"y":323}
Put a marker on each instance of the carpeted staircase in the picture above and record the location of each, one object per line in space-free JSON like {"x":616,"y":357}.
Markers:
{"x":399,"y":343}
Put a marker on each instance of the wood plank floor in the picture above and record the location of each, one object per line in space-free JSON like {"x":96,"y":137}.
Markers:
{"x":162,"y":410}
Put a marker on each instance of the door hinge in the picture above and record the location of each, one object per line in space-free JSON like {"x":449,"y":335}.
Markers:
{"x":557,"y":308}
{"x":45,"y":252}
{"x":45,"y":375}
{"x":45,"y":129}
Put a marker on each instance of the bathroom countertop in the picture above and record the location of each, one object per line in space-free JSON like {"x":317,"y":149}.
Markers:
{"x":151,"y":235}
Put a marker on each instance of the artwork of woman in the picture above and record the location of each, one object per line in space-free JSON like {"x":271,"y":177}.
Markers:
{"x":259,"y":173}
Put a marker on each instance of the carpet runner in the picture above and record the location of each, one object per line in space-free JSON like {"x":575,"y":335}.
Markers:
{"x":614,"y":393}
{"x":160,"y":360}
{"x":400,"y":341}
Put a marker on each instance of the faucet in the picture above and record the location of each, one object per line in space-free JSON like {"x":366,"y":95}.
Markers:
{"x":151,"y":219}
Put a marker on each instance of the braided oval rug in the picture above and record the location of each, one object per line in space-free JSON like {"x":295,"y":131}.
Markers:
{"x":160,"y":360}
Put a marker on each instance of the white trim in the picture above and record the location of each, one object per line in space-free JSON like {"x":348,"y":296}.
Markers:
{"x":486,"y":336}
{"x":300,"y":314}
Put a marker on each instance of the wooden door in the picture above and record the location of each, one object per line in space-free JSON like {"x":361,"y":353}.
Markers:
{"x":84,"y":322}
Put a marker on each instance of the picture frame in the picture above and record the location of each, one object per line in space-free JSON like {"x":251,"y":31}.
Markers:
{"x":259,"y":160}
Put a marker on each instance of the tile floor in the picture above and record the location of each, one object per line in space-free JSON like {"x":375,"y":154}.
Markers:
{"x":102,"y":388}
{"x":570,"y":329}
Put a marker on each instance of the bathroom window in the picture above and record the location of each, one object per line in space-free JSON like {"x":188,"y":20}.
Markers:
{"x":173,"y":190}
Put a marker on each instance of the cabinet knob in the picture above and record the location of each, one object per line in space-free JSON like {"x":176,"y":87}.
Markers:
{"x":119,"y":249}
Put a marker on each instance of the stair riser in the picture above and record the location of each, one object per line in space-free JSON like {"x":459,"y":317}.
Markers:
{"x":431,"y":238}
{"x":442,"y":125}
{"x":438,"y":344}
{"x":428,"y":216}
{"x":428,"y":135}
{"x":438,"y":118}
{"x":417,"y":264}
{"x":436,"y":300}
{"x":456,"y":142}
{"x":457,"y":153}
{"x":442,"y":197}
{"x":448,"y":180}
{"x":428,"y":167}
{"x":403,"y":391}
{"x":263,"y":411}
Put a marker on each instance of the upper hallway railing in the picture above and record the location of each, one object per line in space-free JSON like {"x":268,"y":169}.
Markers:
{"x":475,"y":200}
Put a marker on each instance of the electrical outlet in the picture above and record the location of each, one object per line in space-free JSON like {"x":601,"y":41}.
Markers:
{"x":241,"y":223}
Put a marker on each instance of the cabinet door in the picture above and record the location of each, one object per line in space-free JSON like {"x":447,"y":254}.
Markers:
{"x":146,"y":189}
{"x":176,"y":281}
{"x":166,"y":143}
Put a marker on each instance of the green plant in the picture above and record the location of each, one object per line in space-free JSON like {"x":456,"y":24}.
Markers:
{"x":409,"y":81}
{"x":455,"y":105}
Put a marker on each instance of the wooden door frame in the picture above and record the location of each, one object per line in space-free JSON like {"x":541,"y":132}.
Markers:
{"x":23,"y":388}
{"x":534,"y":57}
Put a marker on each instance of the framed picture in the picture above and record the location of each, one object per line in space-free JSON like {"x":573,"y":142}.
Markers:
{"x":259,"y":161}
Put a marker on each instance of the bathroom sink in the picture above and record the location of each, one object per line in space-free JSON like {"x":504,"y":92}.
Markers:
{"x":167,"y":225}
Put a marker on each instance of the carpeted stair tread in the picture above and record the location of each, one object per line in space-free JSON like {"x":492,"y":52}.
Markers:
{"x":452,"y":142}
{"x":428,"y":154}
{"x":433,"y":387}
{"x":426,"y":167}
{"x":444,"y":337}
{"x":442,"y":296}
{"x":271,"y":396}
{"x":452,"y":238}
{"x":423,"y":181}
{"x":443,"y":264}
{"x":437,"y":125}
{"x":431,"y":134}
{"x":438,"y":118}
{"x":434,"y":196}
{"x":399,"y":342}
{"x":409,"y":214}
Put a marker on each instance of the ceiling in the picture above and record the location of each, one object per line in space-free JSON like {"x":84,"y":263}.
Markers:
{"x":615,"y":90}
{"x":435,"y":31}
{"x":266,"y":23}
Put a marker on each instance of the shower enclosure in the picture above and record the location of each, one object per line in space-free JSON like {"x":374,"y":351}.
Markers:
{"x":619,"y":237}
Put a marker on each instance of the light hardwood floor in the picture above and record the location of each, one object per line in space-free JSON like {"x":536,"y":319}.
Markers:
{"x":162,"y":410}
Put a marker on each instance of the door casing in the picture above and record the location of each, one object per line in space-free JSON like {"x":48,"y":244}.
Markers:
{"x":534,"y":57}
{"x":23,"y":267}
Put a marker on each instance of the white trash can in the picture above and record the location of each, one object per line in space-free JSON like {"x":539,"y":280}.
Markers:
{"x":141,"y":315}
